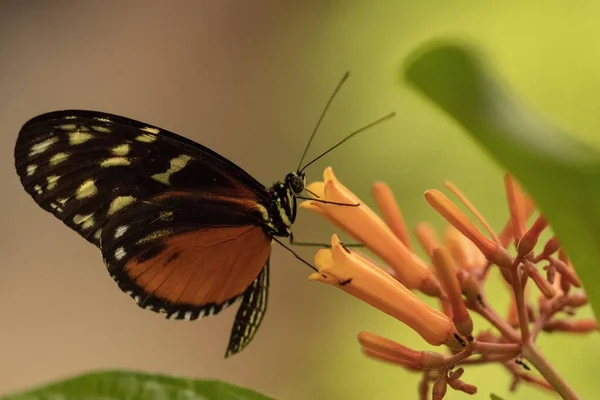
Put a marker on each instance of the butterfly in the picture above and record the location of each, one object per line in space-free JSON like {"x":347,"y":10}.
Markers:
{"x":181,"y":229}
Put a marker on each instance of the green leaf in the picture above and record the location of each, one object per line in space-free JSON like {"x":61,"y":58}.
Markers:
{"x":560,"y":173}
{"x":127,"y":385}
{"x":494,"y":397}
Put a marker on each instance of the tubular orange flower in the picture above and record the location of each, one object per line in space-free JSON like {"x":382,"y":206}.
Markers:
{"x":465,"y":253}
{"x":427,"y":237}
{"x":384,"y":197}
{"x":530,"y":238}
{"x":379,"y":345}
{"x":355,"y":275}
{"x":516,"y":205}
{"x":452,"y":214}
{"x":364,"y":225}
{"x":442,"y":260}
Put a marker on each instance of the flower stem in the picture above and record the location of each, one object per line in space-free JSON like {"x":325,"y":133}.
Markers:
{"x":493,"y":318}
{"x":519,"y":293}
{"x":535,"y":357}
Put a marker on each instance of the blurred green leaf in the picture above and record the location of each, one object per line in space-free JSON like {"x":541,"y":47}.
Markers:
{"x":560,"y":173}
{"x":125,"y":385}
{"x":494,"y":397}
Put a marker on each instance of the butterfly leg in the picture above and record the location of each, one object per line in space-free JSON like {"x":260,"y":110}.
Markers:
{"x":325,"y":245}
{"x":335,"y":203}
{"x":250,"y":314}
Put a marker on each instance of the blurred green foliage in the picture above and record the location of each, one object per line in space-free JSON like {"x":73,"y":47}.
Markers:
{"x":126,"y":385}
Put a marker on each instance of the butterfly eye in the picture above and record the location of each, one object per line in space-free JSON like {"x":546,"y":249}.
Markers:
{"x":296,"y":183}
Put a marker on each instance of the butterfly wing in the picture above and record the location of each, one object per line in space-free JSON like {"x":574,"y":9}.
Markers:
{"x":180,"y":228}
{"x":250,"y":314}
{"x":82,"y":166}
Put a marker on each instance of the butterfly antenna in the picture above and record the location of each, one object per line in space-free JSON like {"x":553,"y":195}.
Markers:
{"x":312,"y":136}
{"x":364,"y":128}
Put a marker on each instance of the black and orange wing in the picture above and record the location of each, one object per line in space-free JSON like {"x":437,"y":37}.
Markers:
{"x":180,"y":228}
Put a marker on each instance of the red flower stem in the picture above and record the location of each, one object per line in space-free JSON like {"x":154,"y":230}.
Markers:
{"x":493,"y":318}
{"x":519,"y":294}
{"x":555,"y":306}
{"x":497,"y":348}
{"x":488,"y":359}
{"x":451,"y":361}
{"x":537,"y":359}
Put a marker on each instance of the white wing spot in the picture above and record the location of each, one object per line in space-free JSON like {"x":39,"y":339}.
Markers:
{"x":86,"y":221}
{"x":121,"y":150}
{"x":146,"y":138}
{"x":56,"y":207}
{"x":120,"y":231}
{"x":58,"y":158}
{"x":165,"y":215}
{"x":79,"y":137}
{"x":38,"y":189}
{"x":149,"y":129}
{"x":68,"y":127}
{"x":31,"y":169}
{"x":86,"y":189}
{"x":52,"y":182}
{"x":101,"y":129}
{"x":71,"y":117}
{"x":98,"y":234}
{"x":102,"y":119}
{"x":177,"y":164}
{"x":153,"y":236}
{"x":115,"y":162}
{"x":119,"y":203}
{"x":42,"y":146}
{"x":120,"y":253}
{"x":62,"y":200}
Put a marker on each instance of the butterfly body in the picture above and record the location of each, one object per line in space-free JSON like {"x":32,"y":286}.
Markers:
{"x":181,"y":229}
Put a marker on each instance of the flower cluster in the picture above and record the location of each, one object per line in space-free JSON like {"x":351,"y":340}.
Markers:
{"x":454,"y":274}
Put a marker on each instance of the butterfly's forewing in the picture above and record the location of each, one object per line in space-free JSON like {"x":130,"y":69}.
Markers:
{"x":80,"y":163}
{"x":179,"y":227}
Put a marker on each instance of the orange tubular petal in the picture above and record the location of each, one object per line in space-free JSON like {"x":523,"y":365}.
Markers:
{"x":545,"y":287}
{"x":471,"y":207}
{"x":384,"y":197}
{"x":427,"y":237}
{"x":551,"y":247}
{"x":529,"y":240}
{"x":516,"y":205}
{"x":465,"y":253}
{"x":391,"y":359}
{"x":582,"y":326}
{"x":424,"y":359}
{"x":452,"y":214}
{"x":576,"y":300}
{"x":360,"y":278}
{"x":442,"y":260}
{"x":566,"y":272}
{"x":365,"y":226}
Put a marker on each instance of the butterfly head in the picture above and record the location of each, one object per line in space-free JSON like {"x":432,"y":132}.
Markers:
{"x":296,"y":181}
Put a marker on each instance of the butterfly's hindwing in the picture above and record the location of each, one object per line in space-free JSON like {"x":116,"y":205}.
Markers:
{"x":250,"y":314}
{"x":174,"y":259}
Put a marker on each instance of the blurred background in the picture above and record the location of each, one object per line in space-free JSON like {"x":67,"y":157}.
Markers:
{"x":249,"y":79}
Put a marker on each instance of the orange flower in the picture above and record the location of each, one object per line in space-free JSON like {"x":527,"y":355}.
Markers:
{"x":492,"y":250}
{"x":365,"y":226}
{"x":357,"y":276}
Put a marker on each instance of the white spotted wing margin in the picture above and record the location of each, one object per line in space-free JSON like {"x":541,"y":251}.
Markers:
{"x":250,"y":314}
